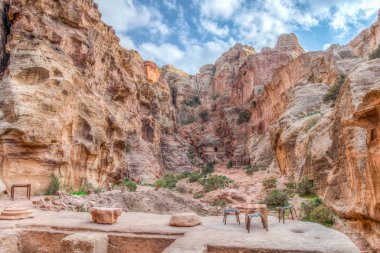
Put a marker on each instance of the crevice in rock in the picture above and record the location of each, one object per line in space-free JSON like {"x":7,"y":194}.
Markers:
{"x":5,"y":31}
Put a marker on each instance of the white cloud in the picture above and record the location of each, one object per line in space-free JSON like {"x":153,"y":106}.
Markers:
{"x":326,"y":46}
{"x":190,"y":58}
{"x":213,"y":28}
{"x":170,"y":4}
{"x":126,"y":42}
{"x":126,"y":15}
{"x":349,"y":13}
{"x":218,"y":8}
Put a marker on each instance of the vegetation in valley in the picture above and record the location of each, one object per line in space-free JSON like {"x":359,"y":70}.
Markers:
{"x":204,"y":115}
{"x":193,"y":101}
{"x":54,"y":186}
{"x":214,"y":182}
{"x":315,"y":211}
{"x":305,"y":187}
{"x":219,"y":203}
{"x":269,"y":182}
{"x":129,"y":185}
{"x":333,"y":92}
{"x":375,"y":53}
{"x":276,"y":198}
{"x":244,"y":116}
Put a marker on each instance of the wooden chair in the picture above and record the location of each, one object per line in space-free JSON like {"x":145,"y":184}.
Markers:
{"x":253,"y":215}
{"x":231,"y":211}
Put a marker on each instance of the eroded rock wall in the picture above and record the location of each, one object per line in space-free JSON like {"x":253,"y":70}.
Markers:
{"x":76,"y":104}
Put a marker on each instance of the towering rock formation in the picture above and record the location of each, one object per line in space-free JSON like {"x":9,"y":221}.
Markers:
{"x":73,"y":102}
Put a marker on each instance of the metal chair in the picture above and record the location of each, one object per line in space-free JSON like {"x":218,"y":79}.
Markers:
{"x":253,"y":215}
{"x":231,"y":211}
{"x":282,"y":210}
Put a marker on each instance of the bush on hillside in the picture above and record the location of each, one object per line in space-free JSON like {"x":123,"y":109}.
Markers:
{"x":192,"y":102}
{"x":375,"y":53}
{"x":208,"y":169}
{"x":54,"y":186}
{"x":333,"y":92}
{"x":305,"y":187}
{"x":214,"y":182}
{"x":276,"y":198}
{"x":204,"y":115}
{"x":244,"y":116}
{"x":269,"y":182}
{"x":316,"y":211}
{"x":130,"y":185}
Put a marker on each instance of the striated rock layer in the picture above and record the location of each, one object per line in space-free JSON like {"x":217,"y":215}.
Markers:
{"x":73,"y":102}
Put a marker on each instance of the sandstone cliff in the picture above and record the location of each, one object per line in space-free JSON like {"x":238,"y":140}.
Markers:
{"x":75,"y":103}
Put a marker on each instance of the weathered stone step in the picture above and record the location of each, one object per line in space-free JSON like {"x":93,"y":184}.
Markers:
{"x":16,"y":214}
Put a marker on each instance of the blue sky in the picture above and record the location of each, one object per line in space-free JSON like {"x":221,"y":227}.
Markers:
{"x":191,"y":33}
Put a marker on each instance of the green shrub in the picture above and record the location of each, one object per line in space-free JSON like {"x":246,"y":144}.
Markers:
{"x":333,"y":92}
{"x":130,"y":185}
{"x":97,"y":190}
{"x":170,"y":181}
{"x":219,"y":202}
{"x":323,"y":215}
{"x":159,"y":183}
{"x":208,"y":169}
{"x":290,"y":185}
{"x":214,"y":182}
{"x":188,"y":120}
{"x":309,"y":206}
{"x":181,"y":188}
{"x":375,"y":53}
{"x":244,"y":116}
{"x":54,"y":186}
{"x":315,"y":211}
{"x":229,"y":164}
{"x":204,"y":115}
{"x":249,"y":170}
{"x":269,"y":182}
{"x":254,"y":104}
{"x":192,"y":102}
{"x":86,"y":186}
{"x":305,"y":187}
{"x":182,"y":175}
{"x":276,"y":198}
{"x":198,"y":195}
{"x":194,"y":177}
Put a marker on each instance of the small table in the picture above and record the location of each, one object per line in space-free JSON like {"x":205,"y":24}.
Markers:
{"x":250,"y":208}
{"x":27,"y":186}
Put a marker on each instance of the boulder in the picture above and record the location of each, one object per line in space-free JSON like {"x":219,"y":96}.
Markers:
{"x":103,"y":215}
{"x":85,"y":243}
{"x":184,"y":220}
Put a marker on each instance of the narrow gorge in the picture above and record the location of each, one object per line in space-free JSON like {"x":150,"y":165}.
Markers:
{"x":77,"y":105}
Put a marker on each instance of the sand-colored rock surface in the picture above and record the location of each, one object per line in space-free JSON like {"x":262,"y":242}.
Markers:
{"x":85,"y":243}
{"x":105,"y":215}
{"x":184,"y":220}
{"x":143,"y":231}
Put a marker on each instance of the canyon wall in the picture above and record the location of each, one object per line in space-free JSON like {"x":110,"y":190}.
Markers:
{"x":75,"y":103}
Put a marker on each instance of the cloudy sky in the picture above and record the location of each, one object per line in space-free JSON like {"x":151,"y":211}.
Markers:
{"x":191,"y":33}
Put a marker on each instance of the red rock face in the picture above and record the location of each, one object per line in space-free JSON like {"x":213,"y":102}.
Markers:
{"x":95,"y":115}
{"x":152,"y":72}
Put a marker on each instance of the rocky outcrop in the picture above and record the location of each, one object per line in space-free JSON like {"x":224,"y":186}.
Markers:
{"x":227,"y":67}
{"x":367,"y":41}
{"x":76,"y":104}
{"x":259,"y":68}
